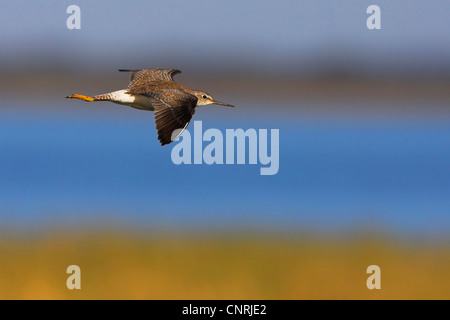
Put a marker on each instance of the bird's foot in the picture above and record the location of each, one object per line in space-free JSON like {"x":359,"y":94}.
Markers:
{"x":81,"y":97}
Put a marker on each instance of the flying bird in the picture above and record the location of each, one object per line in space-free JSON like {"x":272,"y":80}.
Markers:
{"x":155,"y":90}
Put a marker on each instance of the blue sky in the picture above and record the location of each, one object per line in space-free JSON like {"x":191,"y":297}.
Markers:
{"x":281,"y":34}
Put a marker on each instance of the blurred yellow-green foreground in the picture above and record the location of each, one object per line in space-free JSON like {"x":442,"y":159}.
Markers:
{"x":125,"y":265}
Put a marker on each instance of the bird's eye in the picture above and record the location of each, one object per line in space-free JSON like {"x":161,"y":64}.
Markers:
{"x":204,"y":97}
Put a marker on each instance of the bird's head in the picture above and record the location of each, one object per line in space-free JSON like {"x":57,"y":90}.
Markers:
{"x":205,"y":98}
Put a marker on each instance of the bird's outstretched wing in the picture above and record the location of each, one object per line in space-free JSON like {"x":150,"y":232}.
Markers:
{"x":174,"y":109}
{"x":148,"y":77}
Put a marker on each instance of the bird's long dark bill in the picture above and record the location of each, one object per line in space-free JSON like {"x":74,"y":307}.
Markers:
{"x":223,"y":104}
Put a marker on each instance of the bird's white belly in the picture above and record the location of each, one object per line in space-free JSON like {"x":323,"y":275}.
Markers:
{"x":134,"y":101}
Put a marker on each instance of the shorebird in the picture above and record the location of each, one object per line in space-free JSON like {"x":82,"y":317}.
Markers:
{"x":155,"y":90}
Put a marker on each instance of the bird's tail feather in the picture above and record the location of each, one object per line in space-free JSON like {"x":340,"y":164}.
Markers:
{"x":103,"y":97}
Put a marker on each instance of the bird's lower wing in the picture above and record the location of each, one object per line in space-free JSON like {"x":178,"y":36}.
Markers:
{"x":173,"y":111}
{"x":169,"y":128}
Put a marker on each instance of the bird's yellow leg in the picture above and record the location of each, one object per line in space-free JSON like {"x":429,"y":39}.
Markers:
{"x":81,"y":97}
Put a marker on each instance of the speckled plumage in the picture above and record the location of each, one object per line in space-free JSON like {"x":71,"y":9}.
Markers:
{"x":155,"y":90}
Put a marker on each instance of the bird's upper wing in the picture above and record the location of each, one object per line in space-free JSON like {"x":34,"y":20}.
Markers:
{"x":174,"y":109}
{"x":146,"y":77}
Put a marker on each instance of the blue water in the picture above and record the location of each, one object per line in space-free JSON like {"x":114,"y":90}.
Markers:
{"x":81,"y":166}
